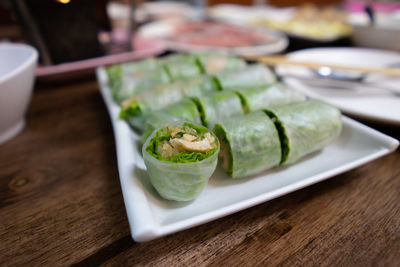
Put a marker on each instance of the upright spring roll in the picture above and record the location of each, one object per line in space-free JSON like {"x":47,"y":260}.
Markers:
{"x":218,"y":106}
{"x":249,"y":144}
{"x":180,"y":160}
{"x":305,"y":127}
{"x":257,"y":98}
{"x":167,"y":94}
{"x":185,"y":110}
{"x":252,"y":76}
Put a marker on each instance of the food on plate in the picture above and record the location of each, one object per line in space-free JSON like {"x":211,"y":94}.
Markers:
{"x":140,"y":81}
{"x":130,"y":79}
{"x":305,"y":127}
{"x":216,"y":62}
{"x":218,"y":106}
{"x":182,"y":67}
{"x":311,"y":21}
{"x":215,"y":34}
{"x":168,"y":69}
{"x":249,"y":144}
{"x":167,"y":94}
{"x":260,"y":123}
{"x":185,"y":110}
{"x":180,"y":159}
{"x":280,"y":135}
{"x":256,"y":98}
{"x":252,"y":76}
{"x":205,"y":110}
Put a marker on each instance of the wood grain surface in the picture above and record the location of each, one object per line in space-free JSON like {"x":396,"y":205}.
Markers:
{"x":61,"y":204}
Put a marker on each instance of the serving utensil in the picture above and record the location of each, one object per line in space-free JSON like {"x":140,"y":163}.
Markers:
{"x":282,"y":60}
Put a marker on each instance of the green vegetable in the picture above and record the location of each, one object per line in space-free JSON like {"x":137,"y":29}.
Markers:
{"x":249,"y":144}
{"x":181,"y":176}
{"x":252,"y":76}
{"x":116,"y":73}
{"x":218,"y":106}
{"x":257,"y":98}
{"x":140,"y":81}
{"x":131,"y":110}
{"x":182,"y":67}
{"x":167,"y":94}
{"x":130,"y":79}
{"x":305,"y":127}
{"x":185,"y":110}
{"x":217,"y":62}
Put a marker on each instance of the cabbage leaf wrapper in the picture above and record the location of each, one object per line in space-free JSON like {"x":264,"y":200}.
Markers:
{"x":249,"y":144}
{"x":305,"y":127}
{"x":185,"y":110}
{"x":179,"y":169}
{"x":218,"y":106}
{"x":129,"y":79}
{"x":182,"y":67}
{"x":140,"y":81}
{"x":115,"y":72}
{"x":162,"y":71}
{"x":167,"y":94}
{"x":253,"y":76}
{"x":218,"y":62}
{"x":257,"y":98}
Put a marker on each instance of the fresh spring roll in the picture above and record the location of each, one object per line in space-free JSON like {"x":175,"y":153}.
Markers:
{"x":115,"y":72}
{"x":218,"y":106}
{"x":252,"y":76}
{"x":185,"y":110}
{"x":180,"y":160}
{"x":166,"y":70}
{"x":140,"y":81}
{"x":257,"y":98}
{"x":249,"y":144}
{"x":182,"y":67}
{"x":167,"y":94}
{"x":305,"y":127}
{"x":218,"y":62}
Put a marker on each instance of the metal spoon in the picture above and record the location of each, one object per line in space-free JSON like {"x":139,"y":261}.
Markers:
{"x":344,"y":79}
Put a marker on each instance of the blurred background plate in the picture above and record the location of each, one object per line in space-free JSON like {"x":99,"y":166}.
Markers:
{"x":307,"y":25}
{"x":200,"y":35}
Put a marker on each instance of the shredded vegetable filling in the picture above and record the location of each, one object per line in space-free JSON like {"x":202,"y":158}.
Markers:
{"x":186,"y":140}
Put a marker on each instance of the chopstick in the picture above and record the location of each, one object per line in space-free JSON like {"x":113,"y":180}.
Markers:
{"x":282,"y":60}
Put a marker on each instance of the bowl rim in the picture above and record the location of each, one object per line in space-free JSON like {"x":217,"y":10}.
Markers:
{"x":26,"y":63}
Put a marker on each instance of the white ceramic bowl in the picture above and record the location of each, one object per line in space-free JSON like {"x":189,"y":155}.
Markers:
{"x":17,"y":73}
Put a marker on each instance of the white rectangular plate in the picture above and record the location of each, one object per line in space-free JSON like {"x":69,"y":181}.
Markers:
{"x":150,"y":216}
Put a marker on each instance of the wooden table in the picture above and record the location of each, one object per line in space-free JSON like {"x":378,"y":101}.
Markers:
{"x":61,"y":203}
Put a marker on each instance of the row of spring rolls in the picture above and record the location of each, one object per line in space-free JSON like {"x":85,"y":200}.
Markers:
{"x":209,"y":109}
{"x":247,"y":109}
{"x":129,"y":79}
{"x":137,"y":109}
{"x":166,"y":94}
{"x":279,"y":135}
{"x":246,"y":144}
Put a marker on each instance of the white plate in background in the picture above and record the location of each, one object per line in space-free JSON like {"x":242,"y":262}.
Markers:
{"x":375,"y":104}
{"x":151,"y":217}
{"x":161,"y":30}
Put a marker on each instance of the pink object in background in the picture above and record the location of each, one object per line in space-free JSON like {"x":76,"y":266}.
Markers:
{"x":142,"y":49}
{"x":359,"y":6}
